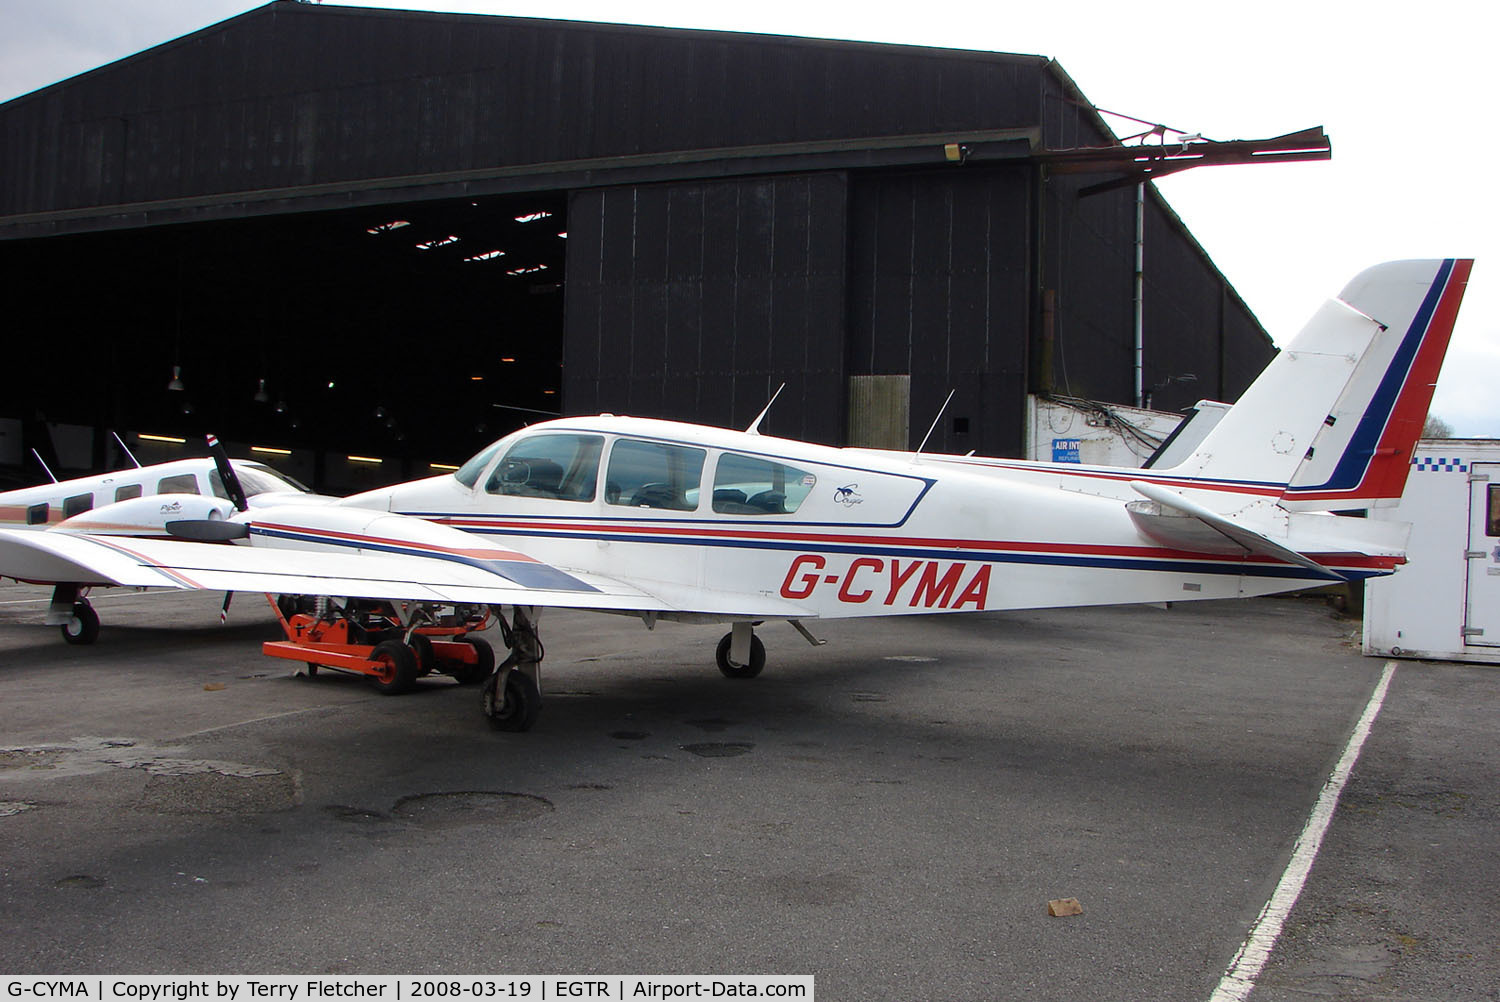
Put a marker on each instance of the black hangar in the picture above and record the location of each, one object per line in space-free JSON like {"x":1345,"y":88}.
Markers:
{"x":336,"y":232}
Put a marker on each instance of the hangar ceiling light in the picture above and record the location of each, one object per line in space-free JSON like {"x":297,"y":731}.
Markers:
{"x":394,"y":224}
{"x":486,"y":256}
{"x":439,"y":242}
{"x":528,"y":270}
{"x":532,"y":217}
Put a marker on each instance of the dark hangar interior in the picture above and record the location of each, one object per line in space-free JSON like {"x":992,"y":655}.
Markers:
{"x":398,"y":235}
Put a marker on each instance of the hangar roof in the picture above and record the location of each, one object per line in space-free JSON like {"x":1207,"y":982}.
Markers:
{"x":303,"y":106}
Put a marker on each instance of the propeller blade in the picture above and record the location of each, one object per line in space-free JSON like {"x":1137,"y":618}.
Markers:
{"x":227,"y":474}
{"x":224,"y":609}
{"x":208,"y":530}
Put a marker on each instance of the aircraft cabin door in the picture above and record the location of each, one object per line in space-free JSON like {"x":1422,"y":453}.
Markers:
{"x":1482,"y":590}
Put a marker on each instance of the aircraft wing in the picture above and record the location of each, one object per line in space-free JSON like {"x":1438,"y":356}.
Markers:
{"x":472,"y":576}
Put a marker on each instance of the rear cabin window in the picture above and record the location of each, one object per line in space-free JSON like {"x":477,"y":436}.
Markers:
{"x":745,"y":485}
{"x":77,"y":505}
{"x":1492,"y":522}
{"x":127,"y":492}
{"x":558,"y":467}
{"x":654,"y":475}
{"x":37,"y":514}
{"x":184,"y":483}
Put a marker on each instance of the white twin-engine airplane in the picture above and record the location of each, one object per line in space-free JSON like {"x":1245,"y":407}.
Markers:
{"x":673,"y":521}
{"x":134,"y":502}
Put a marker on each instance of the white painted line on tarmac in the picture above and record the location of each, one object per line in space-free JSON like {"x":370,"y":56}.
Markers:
{"x":1239,"y":980}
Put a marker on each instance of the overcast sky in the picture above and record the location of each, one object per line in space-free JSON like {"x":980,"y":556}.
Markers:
{"x":1406,"y":91}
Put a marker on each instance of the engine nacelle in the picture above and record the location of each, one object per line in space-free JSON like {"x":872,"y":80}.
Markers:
{"x":146,"y":516}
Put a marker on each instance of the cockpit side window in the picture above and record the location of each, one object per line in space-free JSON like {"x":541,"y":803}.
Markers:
{"x":745,"y":485}
{"x":654,"y":475}
{"x":563,"y":467}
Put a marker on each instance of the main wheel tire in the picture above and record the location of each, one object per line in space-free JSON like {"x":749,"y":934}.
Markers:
{"x":398,"y":673}
{"x":519,"y":705}
{"x":467,"y":674}
{"x":83,"y":628}
{"x":733,"y":670}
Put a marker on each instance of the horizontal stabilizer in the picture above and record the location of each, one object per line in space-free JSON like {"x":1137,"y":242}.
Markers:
{"x":1247,"y":538}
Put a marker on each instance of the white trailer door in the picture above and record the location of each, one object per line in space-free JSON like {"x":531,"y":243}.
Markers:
{"x":1482,"y":593}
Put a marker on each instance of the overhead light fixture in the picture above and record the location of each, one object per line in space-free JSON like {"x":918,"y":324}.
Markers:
{"x":176,"y":382}
{"x":261,"y":396}
{"x":507,"y":360}
{"x":527,"y":270}
{"x":439,"y":242}
{"x":368,"y":460}
{"x":394,"y":224}
{"x":445,"y":467}
{"x":268,"y":450}
{"x":532,"y":217}
{"x":489,"y":255}
{"x":169,"y":439}
{"x":476,"y":379}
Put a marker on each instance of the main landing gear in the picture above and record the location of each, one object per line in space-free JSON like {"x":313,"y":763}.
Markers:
{"x":71,"y":612}
{"x":512,"y":694}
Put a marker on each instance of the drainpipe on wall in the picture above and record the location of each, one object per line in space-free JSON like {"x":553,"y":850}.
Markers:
{"x":1140,"y":293}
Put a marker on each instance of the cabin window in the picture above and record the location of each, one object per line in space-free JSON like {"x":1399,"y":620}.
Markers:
{"x":559,"y":467}
{"x":1492,"y":522}
{"x":468,"y":474}
{"x":654,"y":475}
{"x":127,"y":492}
{"x":184,"y":483}
{"x":77,"y":505}
{"x":746,"y":485}
{"x":37,"y":514}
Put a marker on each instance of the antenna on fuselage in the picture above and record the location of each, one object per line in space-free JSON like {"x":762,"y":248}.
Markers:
{"x":754,"y":428}
{"x":48,"y":470}
{"x":933,"y":428}
{"x":126,"y":449}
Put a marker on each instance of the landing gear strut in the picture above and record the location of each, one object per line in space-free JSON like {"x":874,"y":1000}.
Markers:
{"x":512,"y":695}
{"x":740,"y":653}
{"x":71,"y":612}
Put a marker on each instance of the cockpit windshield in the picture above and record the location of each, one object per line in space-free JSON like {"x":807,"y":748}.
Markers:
{"x":468,"y":474}
{"x":256,"y":479}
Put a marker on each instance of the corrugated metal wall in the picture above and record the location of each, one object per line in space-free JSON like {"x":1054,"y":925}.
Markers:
{"x":696,"y":300}
{"x":939,"y":290}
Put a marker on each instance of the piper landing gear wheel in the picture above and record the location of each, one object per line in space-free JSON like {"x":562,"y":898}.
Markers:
{"x":751,"y":668}
{"x":517,"y":708}
{"x":480,"y":670}
{"x":398,"y":667}
{"x":83,"y":627}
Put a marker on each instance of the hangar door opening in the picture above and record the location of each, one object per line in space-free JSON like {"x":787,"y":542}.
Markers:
{"x":409,"y":333}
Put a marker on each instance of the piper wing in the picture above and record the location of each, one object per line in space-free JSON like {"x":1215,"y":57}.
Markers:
{"x":382,"y":567}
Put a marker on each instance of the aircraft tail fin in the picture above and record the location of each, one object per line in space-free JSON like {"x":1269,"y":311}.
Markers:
{"x":1362,"y":454}
{"x":1332,"y":420}
{"x":1263,"y":438}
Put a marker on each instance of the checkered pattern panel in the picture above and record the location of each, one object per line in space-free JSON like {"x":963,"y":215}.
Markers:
{"x":1439,"y":464}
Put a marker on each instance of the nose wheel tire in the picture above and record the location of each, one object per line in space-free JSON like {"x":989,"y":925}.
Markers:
{"x":732,"y":669}
{"x":83,"y":627}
